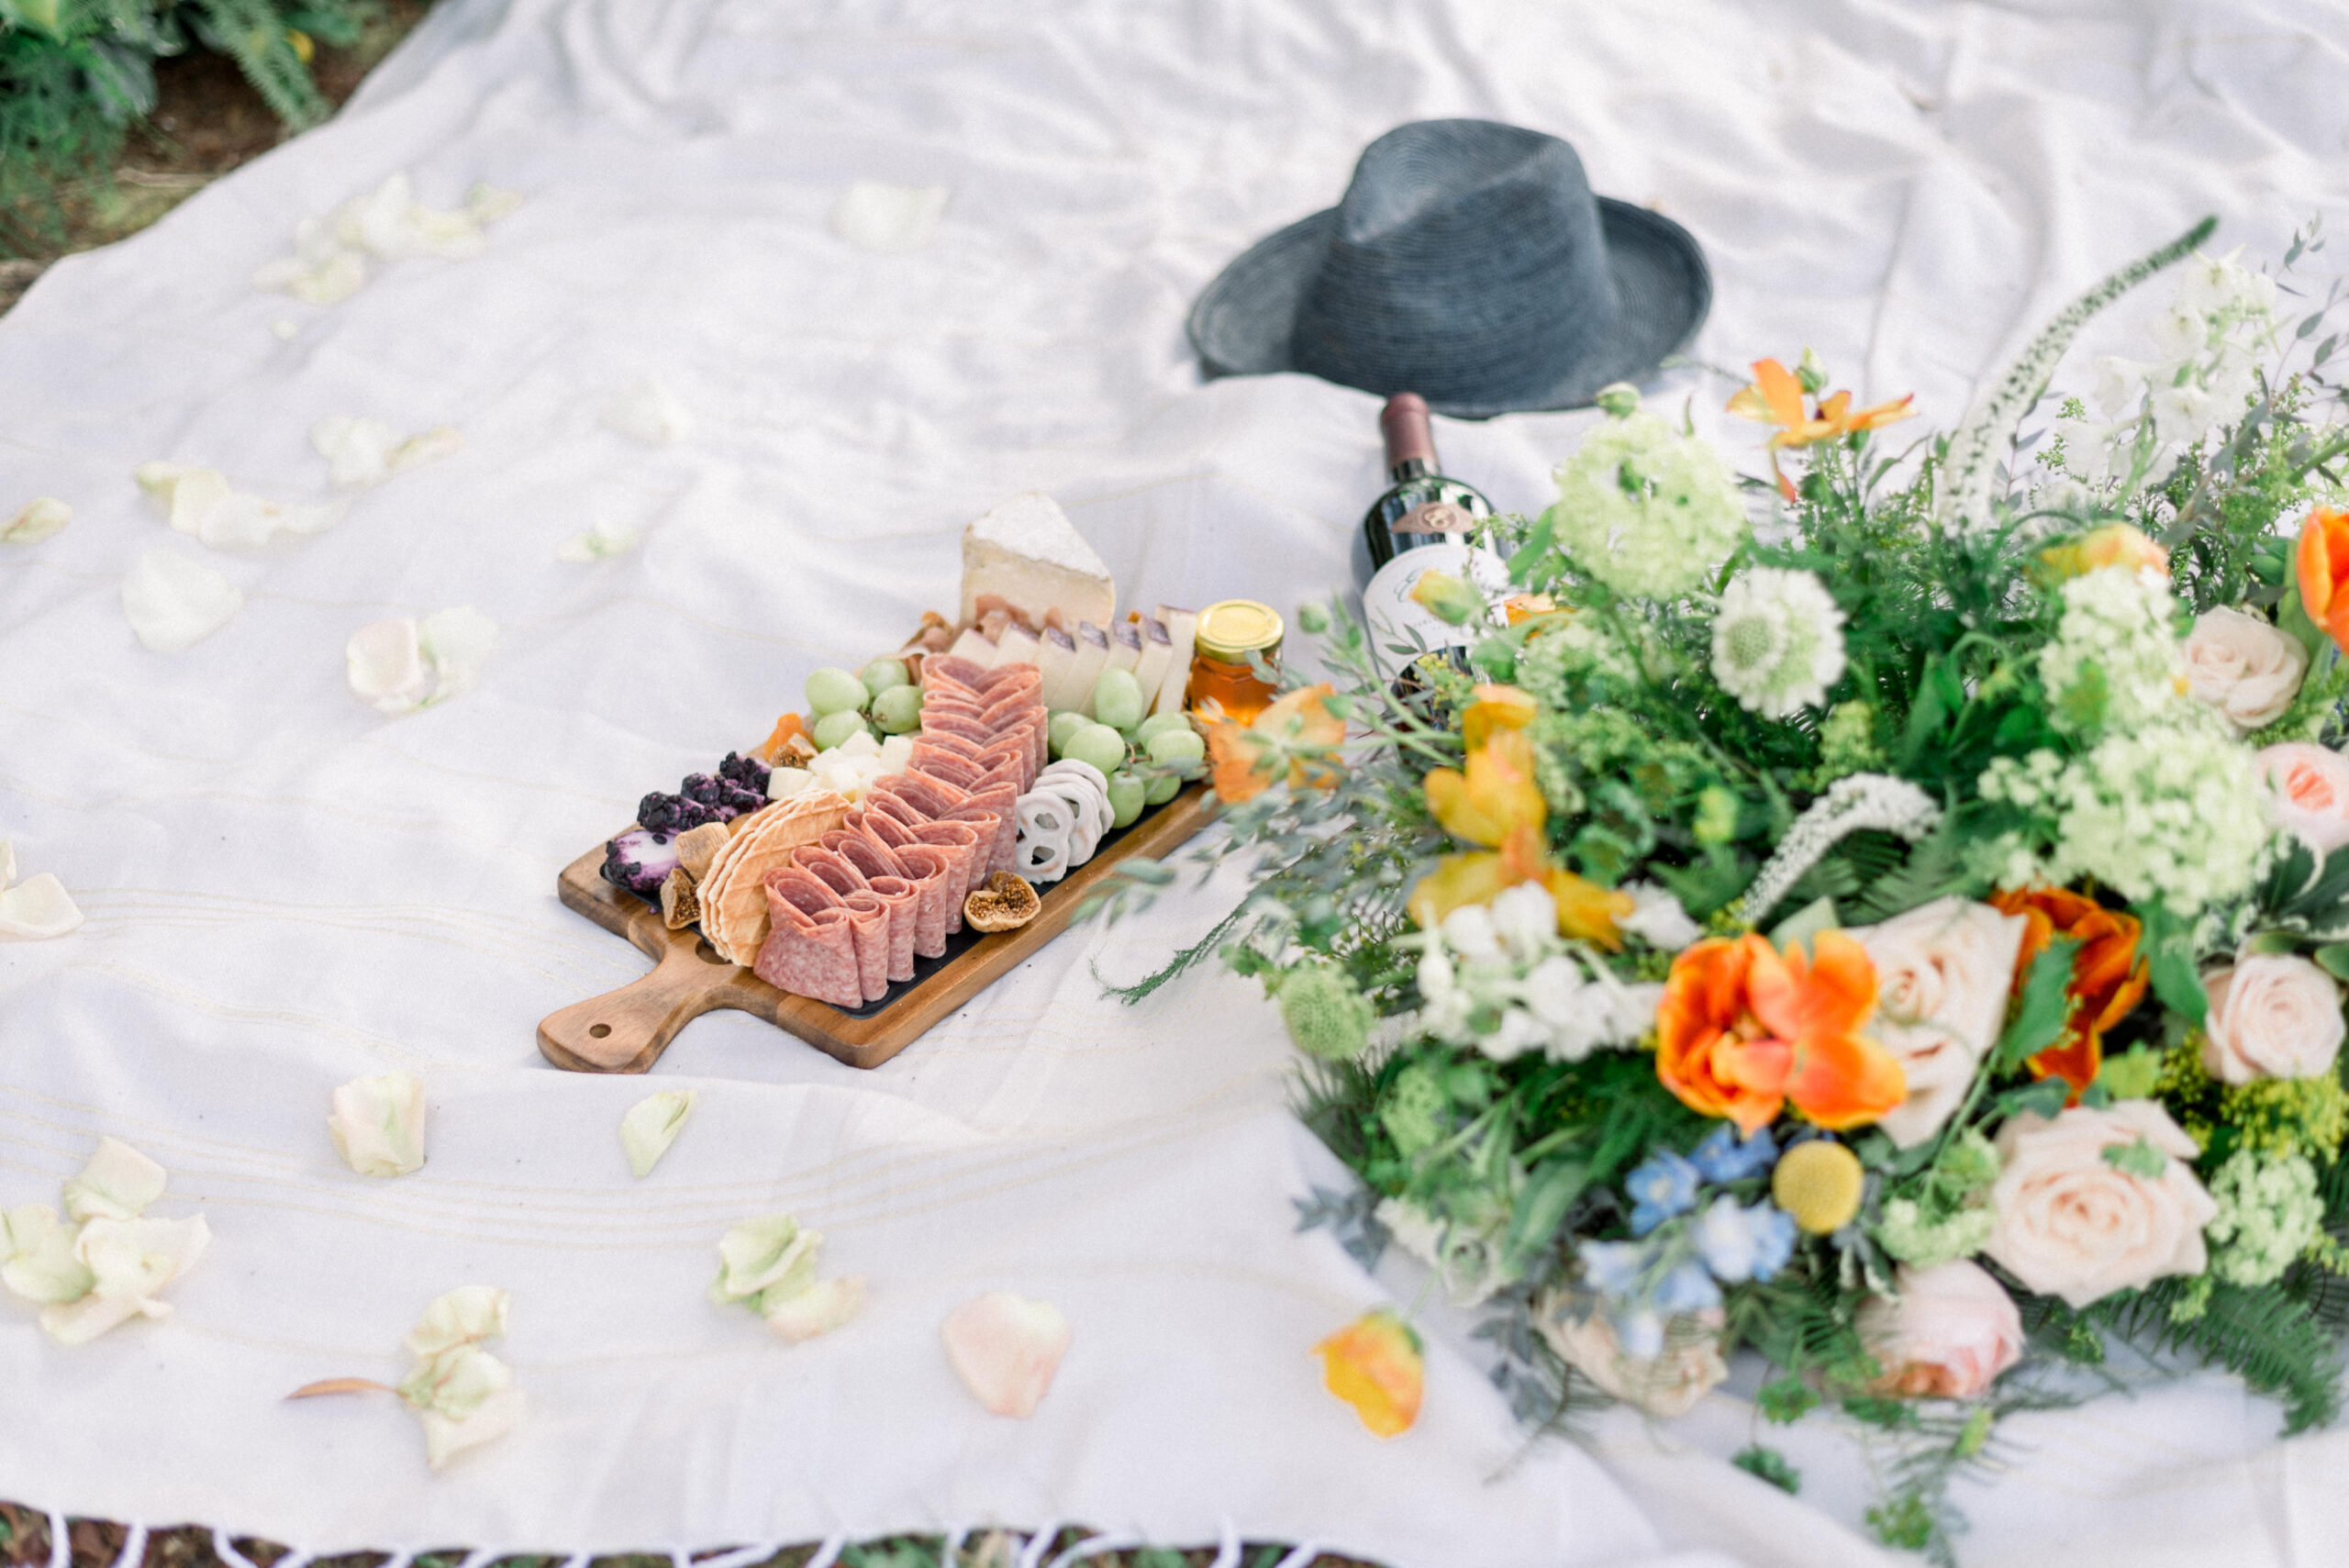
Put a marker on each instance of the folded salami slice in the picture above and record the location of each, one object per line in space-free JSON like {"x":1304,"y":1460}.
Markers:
{"x":810,"y":949}
{"x":961,"y":745}
{"x":1015,"y":746}
{"x":830,"y":868}
{"x":947,"y":668}
{"x":999,"y":834}
{"x":1001,"y":676}
{"x":937,"y":763}
{"x":931,"y":797}
{"x":967,"y":854}
{"x":939,"y":726}
{"x":1018,"y":688}
{"x":880,"y":870}
{"x":938,"y":887}
{"x":868,"y":918}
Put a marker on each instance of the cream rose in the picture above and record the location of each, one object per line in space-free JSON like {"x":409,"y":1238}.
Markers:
{"x":1666,"y":1384}
{"x":2272,"y":1016}
{"x":1943,"y":971}
{"x":2072,"y":1223}
{"x":2310,"y":792}
{"x":2243,"y":667}
{"x":1950,"y":1331}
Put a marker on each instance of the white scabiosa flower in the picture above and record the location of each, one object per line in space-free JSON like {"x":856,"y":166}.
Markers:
{"x":1777,"y":641}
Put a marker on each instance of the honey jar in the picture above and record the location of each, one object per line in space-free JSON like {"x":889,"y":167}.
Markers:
{"x":1229,"y":630}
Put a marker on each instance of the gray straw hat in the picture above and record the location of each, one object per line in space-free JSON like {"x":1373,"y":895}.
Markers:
{"x":1470,"y":263}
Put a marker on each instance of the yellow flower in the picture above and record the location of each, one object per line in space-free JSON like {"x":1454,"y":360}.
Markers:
{"x":2114,"y":544}
{"x":1776,"y":398}
{"x":1374,"y":1364}
{"x":1496,"y":794}
{"x":1818,"y":1183}
{"x":1496,"y":707}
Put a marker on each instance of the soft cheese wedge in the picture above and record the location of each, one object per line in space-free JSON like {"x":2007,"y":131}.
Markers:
{"x":1182,"y":627}
{"x":1027,"y":550}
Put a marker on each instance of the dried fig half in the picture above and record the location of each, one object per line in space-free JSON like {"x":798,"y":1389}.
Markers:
{"x":1003,"y":903}
{"x":679,"y":905}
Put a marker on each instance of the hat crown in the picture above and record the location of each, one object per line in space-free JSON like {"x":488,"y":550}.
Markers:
{"x":1466,"y":257}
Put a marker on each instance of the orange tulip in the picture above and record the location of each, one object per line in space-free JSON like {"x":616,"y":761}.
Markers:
{"x":1248,"y":757}
{"x":1496,"y":797}
{"x":1745,"y":1031}
{"x":2114,"y":544}
{"x":1496,"y":707}
{"x":1776,"y":398}
{"x":2323,"y":563}
{"x":2109,"y":978}
{"x":1374,"y":1363}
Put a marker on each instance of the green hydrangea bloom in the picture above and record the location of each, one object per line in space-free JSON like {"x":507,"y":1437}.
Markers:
{"x":1325,"y":1014}
{"x":2268,"y":1213}
{"x":1646,"y":510}
{"x":1927,"y":1240}
{"x":1416,"y":1111}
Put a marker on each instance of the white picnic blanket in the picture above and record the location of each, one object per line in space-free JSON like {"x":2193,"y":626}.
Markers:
{"x":287,"y":890}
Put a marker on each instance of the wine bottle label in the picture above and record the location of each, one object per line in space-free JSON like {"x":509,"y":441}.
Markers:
{"x":1392,"y":615}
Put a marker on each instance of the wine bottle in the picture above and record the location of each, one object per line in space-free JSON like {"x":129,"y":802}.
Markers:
{"x":1423,"y":523}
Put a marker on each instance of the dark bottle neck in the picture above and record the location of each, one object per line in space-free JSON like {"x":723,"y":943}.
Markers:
{"x":1411,"y":468}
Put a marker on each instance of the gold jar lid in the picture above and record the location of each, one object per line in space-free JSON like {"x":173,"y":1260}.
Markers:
{"x":1230,"y":629}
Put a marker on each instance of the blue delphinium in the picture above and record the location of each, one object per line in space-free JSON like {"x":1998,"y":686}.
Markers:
{"x":1613,"y":1268}
{"x":1744,"y":1243}
{"x":1662,"y":1188}
{"x":1723,"y":1158}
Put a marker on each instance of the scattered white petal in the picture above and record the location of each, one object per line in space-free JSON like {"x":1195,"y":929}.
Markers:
{"x":819,"y":1309}
{"x":129,"y":1261}
{"x":285,"y":327}
{"x":200,"y":502}
{"x":118,"y":1184}
{"x":357,"y":450}
{"x":876,"y":216}
{"x":37,"y":521}
{"x":331,"y":257}
{"x":768,"y":1254}
{"x":173,"y":603}
{"x":36,"y":1259}
{"x":427,"y":446}
{"x":378,"y":1124}
{"x":460,"y":1317}
{"x":1006,"y":1349}
{"x":651,"y":1124}
{"x":458,"y":642}
{"x":650,"y":412}
{"x":37,"y":910}
{"x":485,"y":204}
{"x":600,"y":543}
{"x":445,"y":1439}
{"x":399,"y":666}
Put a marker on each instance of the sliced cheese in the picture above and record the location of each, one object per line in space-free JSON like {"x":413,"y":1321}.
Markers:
{"x":1092,"y":658}
{"x":1182,"y":627}
{"x":1017,"y":645}
{"x":1125,"y":646}
{"x":1027,"y":550}
{"x":974,"y":647}
{"x":1157,"y":648}
{"x":1056,"y":657}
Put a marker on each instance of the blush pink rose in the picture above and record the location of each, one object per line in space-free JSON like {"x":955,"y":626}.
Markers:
{"x":2272,"y":1016}
{"x":1950,"y":1331}
{"x":2071,"y":1223}
{"x":2310,"y":792}
{"x":2243,"y":667}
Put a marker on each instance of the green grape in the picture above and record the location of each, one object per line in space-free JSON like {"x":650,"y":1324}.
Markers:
{"x":1177,"y":748}
{"x":1127,"y":796}
{"x":835,"y":691}
{"x":1163,"y":788}
{"x":1118,"y":701}
{"x":897,"y":710}
{"x":835,"y":728}
{"x":1158,"y":724}
{"x":1099,"y":745}
{"x":1064,"y":724}
{"x":885,"y":674}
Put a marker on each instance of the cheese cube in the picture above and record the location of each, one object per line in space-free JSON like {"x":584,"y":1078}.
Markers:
{"x":1017,"y":645}
{"x":1092,"y":658}
{"x":1027,"y":550}
{"x":974,"y":647}
{"x":1055,"y":656}
{"x":1157,"y":648}
{"x":1182,"y":626}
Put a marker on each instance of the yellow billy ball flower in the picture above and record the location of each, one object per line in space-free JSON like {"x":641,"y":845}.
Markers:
{"x":1818,"y":1183}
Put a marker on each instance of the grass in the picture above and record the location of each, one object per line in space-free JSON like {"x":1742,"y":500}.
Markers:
{"x":96,"y":1543}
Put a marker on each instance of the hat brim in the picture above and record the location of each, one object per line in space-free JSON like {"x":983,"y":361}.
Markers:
{"x":1241,"y":322}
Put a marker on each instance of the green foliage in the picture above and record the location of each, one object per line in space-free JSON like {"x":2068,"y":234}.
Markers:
{"x":1768,"y":1464}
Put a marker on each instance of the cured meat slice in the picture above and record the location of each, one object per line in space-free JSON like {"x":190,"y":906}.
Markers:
{"x":881,"y":874}
{"x":854,"y":846}
{"x":961,"y":745}
{"x":868,"y":918}
{"x":937,"y":763}
{"x":997,"y":836}
{"x":959,"y":843}
{"x":949,"y":667}
{"x":997,"y":678}
{"x":932,"y":797}
{"x":1026,"y":746}
{"x":732,"y":895}
{"x":890,"y":832}
{"x":810,"y":949}
{"x":973,"y":731}
{"x":1019,"y":685}
{"x":937,"y":886}
{"x":830,"y":868}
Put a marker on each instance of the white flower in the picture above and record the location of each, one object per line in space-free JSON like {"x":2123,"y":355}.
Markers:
{"x":1006,"y":1349}
{"x":1947,"y":1334}
{"x":173,"y":603}
{"x":36,"y":908}
{"x":1468,"y":931}
{"x":2074,"y":1223}
{"x":2272,"y":1016}
{"x":38,"y":519}
{"x":1657,"y":918}
{"x":398,"y":666}
{"x":378,"y":1124}
{"x":1666,"y":1384}
{"x":118,"y":1184}
{"x":2308,"y":792}
{"x":650,"y":412}
{"x":1943,"y":974}
{"x":875,"y":217}
{"x":1525,"y":918}
{"x":820,"y":1308}
{"x":2243,"y":667}
{"x":651,"y":1124}
{"x":602,"y":541}
{"x":771,"y":1256}
{"x":37,"y":1257}
{"x":129,"y":1261}
{"x":1777,"y":641}
{"x":1468,"y":1260}
{"x":2115,"y":661}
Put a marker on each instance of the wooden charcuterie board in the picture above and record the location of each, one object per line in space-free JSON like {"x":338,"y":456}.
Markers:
{"x":626,"y":1030}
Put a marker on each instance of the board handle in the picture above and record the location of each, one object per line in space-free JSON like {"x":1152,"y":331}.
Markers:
{"x":626,"y":1030}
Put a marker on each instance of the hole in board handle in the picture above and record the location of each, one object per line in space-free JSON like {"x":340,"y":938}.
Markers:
{"x":599,"y":1030}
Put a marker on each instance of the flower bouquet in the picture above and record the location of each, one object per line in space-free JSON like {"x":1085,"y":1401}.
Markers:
{"x":1889,"y":915}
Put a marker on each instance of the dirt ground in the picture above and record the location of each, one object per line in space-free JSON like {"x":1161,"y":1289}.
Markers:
{"x":207,"y":120}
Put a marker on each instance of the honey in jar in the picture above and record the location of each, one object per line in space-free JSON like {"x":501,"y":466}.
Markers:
{"x":1228,"y":632}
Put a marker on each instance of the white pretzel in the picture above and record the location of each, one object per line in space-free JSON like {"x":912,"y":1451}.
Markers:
{"x":1070,"y":771}
{"x":1040,"y":852}
{"x":1086,"y":806}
